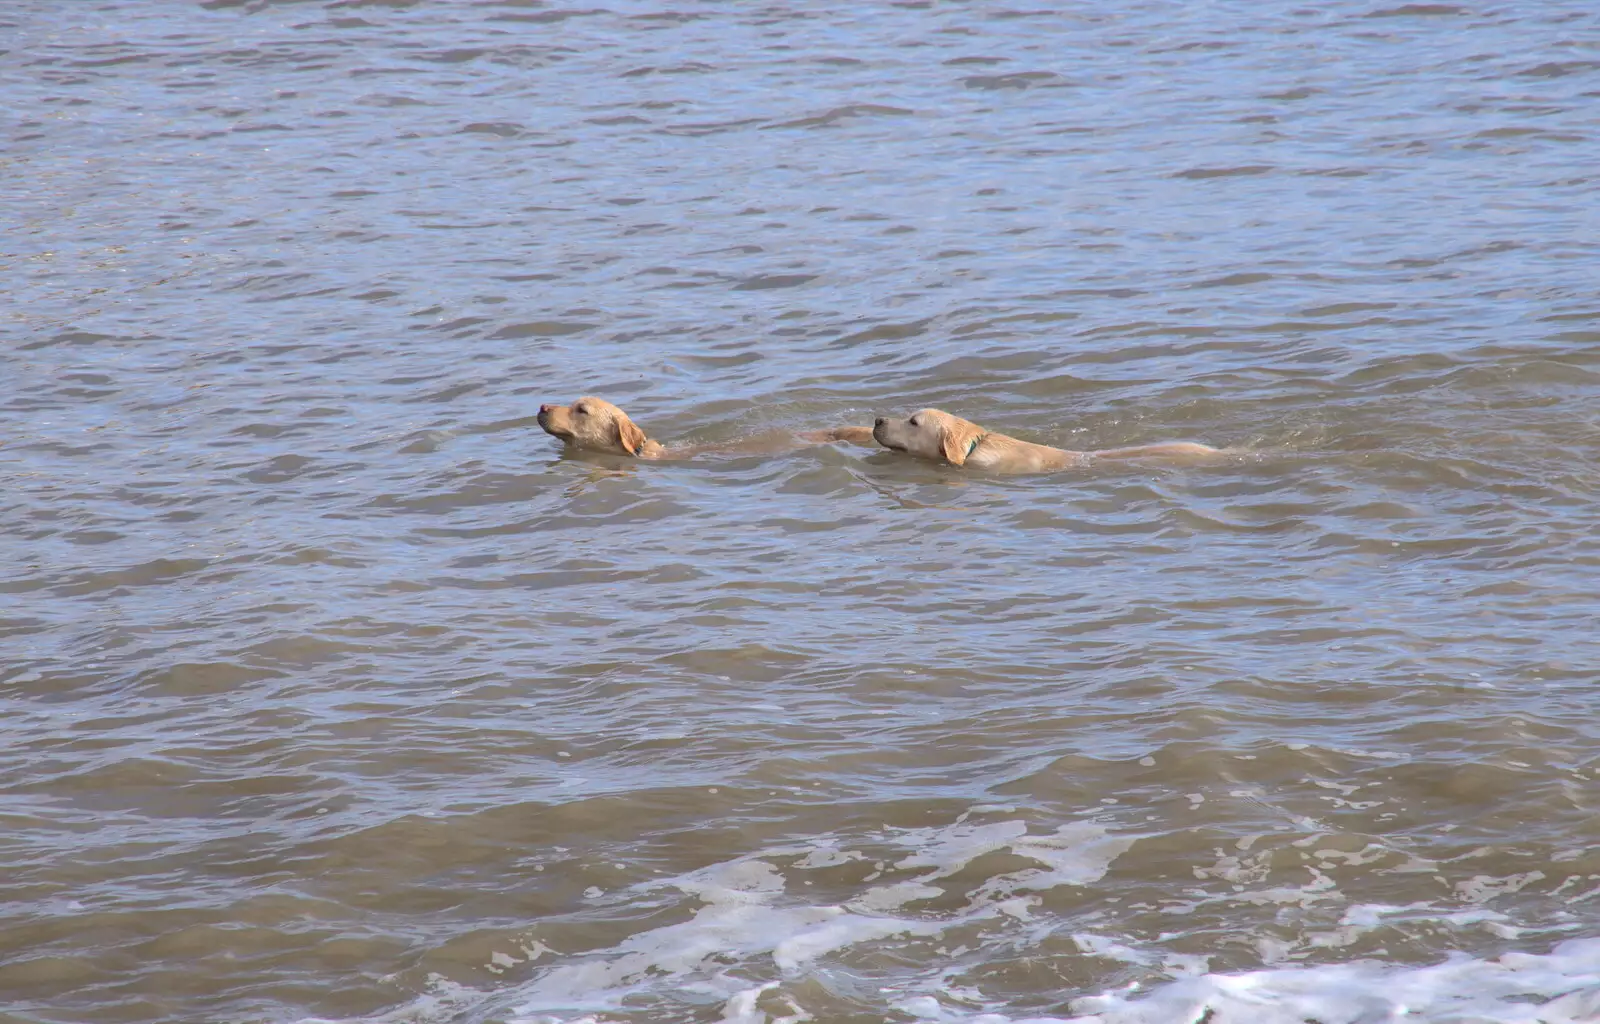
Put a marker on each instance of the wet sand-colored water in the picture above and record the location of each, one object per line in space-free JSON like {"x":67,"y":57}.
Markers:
{"x":334,"y":689}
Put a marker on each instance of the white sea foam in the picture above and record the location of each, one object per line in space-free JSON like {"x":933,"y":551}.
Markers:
{"x":747,"y":916}
{"x":1561,"y":987}
{"x":753,"y":934}
{"x":738,"y":923}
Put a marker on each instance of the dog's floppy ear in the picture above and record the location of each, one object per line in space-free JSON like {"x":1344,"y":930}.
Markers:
{"x":629,"y":436}
{"x":957,"y":440}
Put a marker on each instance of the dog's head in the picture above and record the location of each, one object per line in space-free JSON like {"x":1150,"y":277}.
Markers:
{"x":593,"y":423}
{"x":929,"y":434}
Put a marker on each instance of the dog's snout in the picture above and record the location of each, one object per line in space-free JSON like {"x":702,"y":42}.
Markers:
{"x":544,"y":408}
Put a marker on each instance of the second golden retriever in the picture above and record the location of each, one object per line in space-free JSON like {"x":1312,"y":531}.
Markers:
{"x":933,"y":434}
{"x":596,"y":425}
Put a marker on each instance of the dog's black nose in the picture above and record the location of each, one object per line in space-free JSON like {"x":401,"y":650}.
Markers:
{"x":544,"y":409}
{"x":880,"y":421}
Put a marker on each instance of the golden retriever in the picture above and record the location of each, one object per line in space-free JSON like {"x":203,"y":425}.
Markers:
{"x":936,"y":435}
{"x":596,"y":425}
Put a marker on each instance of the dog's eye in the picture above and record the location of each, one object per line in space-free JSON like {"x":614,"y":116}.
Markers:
{"x":581,"y":410}
{"x":914,"y":422}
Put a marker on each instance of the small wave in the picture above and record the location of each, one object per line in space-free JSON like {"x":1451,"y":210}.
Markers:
{"x":1561,"y":987}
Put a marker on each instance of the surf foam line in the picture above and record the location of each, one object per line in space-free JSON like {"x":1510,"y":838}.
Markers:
{"x":1561,"y":987}
{"x":751,"y":939}
{"x":739,"y":921}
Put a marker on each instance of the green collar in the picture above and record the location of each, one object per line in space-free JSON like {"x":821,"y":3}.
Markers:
{"x":972,"y":446}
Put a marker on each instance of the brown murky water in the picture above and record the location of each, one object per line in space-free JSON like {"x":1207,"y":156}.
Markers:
{"x":333,"y":690}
